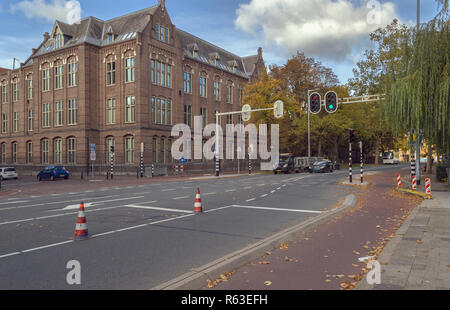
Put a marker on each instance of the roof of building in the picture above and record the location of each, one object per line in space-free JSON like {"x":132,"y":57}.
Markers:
{"x":96,"y":32}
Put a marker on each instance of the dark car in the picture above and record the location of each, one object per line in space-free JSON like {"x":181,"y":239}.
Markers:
{"x":53,"y":173}
{"x":322,"y":166}
{"x":285,"y":165}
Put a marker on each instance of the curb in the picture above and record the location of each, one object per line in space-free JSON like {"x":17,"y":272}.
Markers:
{"x":196,"y":278}
{"x":408,"y":191}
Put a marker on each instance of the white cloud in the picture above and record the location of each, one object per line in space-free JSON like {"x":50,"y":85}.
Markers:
{"x":327,"y":29}
{"x":68,"y":11}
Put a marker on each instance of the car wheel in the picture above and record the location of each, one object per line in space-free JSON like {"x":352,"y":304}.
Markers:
{"x":66,"y":177}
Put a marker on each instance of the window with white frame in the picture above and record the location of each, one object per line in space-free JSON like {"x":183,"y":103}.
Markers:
{"x":4,"y":93}
{"x":59,"y":41}
{"x":4,"y":122}
{"x":187,"y":82}
{"x":111,"y":72}
{"x":46,"y":79}
{"x":72,"y":112}
{"x":14,"y":152}
{"x":15,"y":121}
{"x":230,"y":92}
{"x":188,"y":115}
{"x":129,"y":150}
{"x":30,"y":88}
{"x":217,"y":90}
{"x":110,"y":111}
{"x":59,"y":74}
{"x":3,"y":159}
{"x":29,"y":152}
{"x":129,"y":69}
{"x":15,"y":90}
{"x":45,"y":151}
{"x":72,"y":151}
{"x":59,"y":113}
{"x":130,"y":109}
{"x":202,"y":86}
{"x":72,"y":72}
{"x":57,"y":148}
{"x":45,"y":115}
{"x":30,"y":121}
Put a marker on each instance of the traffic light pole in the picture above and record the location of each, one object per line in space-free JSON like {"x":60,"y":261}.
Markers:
{"x":350,"y":167}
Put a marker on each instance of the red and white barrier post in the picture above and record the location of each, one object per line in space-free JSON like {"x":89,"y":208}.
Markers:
{"x":399,"y":181}
{"x":428,"y":187}
{"x":414,"y":183}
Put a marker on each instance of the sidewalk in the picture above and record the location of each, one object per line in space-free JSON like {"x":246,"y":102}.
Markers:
{"x":418,"y":257}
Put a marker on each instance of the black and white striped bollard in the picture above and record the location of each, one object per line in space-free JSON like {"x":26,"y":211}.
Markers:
{"x":362,"y":163}
{"x":217,"y":166}
{"x":112,"y":166}
{"x":142,"y":165}
{"x":350,"y":167}
{"x":153,"y":170}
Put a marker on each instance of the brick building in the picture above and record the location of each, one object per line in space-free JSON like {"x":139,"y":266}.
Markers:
{"x":119,"y":82}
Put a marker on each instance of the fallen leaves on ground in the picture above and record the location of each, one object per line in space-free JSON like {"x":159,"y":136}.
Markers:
{"x":267,"y":283}
{"x":264,"y":263}
{"x":284,"y":246}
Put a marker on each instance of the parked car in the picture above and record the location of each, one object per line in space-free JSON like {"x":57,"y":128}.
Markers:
{"x":286,"y":164}
{"x":305,"y":163}
{"x":8,"y":173}
{"x":53,"y":173}
{"x":322,"y":166}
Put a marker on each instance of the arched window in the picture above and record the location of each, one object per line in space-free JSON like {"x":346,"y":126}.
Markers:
{"x":230,"y":87}
{"x":29,"y":86}
{"x":57,"y":150}
{"x":15,"y":89}
{"x":72,"y":72}
{"x":29,"y":152}
{"x":217,"y":88}
{"x":129,"y":67}
{"x":203,"y":84}
{"x":45,"y":147}
{"x":129,"y":150}
{"x":110,"y":70}
{"x":46,"y":77}
{"x":4,"y":86}
{"x":59,"y":74}
{"x":71,"y":150}
{"x":14,"y":152}
{"x":3,"y":155}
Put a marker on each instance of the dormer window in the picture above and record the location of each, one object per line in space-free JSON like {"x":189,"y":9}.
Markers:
{"x":193,"y":48}
{"x":59,"y":41}
{"x":215,"y":58}
{"x":111,"y":36}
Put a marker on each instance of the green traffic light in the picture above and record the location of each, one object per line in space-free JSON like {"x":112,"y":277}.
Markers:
{"x":331,"y":107}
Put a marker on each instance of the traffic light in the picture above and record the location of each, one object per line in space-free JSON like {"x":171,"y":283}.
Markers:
{"x":331,"y":102}
{"x":315,"y":103}
{"x":352,"y":137}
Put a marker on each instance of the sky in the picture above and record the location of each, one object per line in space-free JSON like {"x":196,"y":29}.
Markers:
{"x":334,"y":32}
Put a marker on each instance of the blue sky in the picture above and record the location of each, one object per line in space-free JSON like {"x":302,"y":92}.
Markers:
{"x":337,"y":37}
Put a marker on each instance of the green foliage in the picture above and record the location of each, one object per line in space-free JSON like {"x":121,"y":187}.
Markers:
{"x":441,"y":173}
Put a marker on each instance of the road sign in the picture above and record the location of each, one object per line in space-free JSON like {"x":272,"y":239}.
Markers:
{"x":93,"y":156}
{"x":246,"y":114}
{"x":279,"y":109}
{"x":92,"y":146}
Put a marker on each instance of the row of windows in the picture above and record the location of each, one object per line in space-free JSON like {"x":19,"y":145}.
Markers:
{"x":187,"y":83}
{"x":15,"y":90}
{"x":161,"y":111}
{"x":58,"y":77}
{"x":130,"y":71}
{"x":161,"y":73}
{"x":162,"y":33}
{"x":45,"y":151}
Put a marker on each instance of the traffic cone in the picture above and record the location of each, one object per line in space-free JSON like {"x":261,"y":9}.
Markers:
{"x":198,"y":203}
{"x":81,"y":229}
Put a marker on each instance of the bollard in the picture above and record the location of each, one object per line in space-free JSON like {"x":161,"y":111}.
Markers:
{"x":399,"y":181}
{"x":414,"y":183}
{"x":428,"y":187}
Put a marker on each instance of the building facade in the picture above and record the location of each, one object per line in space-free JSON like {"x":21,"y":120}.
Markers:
{"x":120,"y":83}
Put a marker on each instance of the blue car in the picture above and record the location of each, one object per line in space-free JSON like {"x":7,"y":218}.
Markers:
{"x":53,"y":173}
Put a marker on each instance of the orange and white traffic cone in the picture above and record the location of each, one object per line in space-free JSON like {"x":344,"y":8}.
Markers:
{"x":81,"y":229}
{"x":198,"y":203}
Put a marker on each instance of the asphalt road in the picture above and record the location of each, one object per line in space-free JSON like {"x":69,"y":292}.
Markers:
{"x":144,"y":235}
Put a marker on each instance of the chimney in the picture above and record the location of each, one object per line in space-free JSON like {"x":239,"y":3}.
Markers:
{"x":162,"y":4}
{"x":46,"y":36}
{"x":260,"y":52}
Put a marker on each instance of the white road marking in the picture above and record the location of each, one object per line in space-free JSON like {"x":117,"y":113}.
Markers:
{"x":248,"y":187}
{"x":8,"y":255}
{"x":169,"y":190}
{"x":278,"y":188}
{"x":272,"y":192}
{"x":77,"y":206}
{"x":158,"y":209}
{"x":178,"y":198}
{"x":230,"y":190}
{"x":206,"y":194}
{"x":250,"y":200}
{"x":277,"y":209}
{"x":265,"y":195}
{"x":13,"y":202}
{"x":47,"y":246}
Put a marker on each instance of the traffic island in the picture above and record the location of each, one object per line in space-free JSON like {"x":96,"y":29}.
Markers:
{"x":364,"y":184}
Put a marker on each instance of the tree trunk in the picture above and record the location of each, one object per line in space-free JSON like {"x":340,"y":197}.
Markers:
{"x":430,"y":161}
{"x":319,"y":149}
{"x":377,"y":150}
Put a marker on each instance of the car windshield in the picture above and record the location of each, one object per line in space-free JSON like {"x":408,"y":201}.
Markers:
{"x":49,"y":168}
{"x":60,"y":168}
